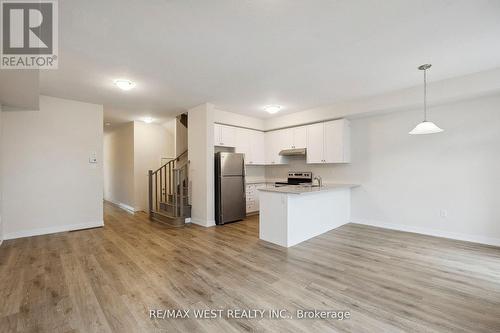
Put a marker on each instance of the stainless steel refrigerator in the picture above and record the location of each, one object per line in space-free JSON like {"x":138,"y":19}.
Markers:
{"x":230,"y":198}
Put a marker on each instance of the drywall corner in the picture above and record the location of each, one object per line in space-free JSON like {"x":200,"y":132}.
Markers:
{"x":201,"y":167}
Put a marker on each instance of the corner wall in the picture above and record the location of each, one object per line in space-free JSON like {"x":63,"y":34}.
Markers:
{"x":119,"y":166}
{"x":1,"y":222}
{"x":152,"y":142}
{"x":201,"y":167}
{"x":48,"y":183}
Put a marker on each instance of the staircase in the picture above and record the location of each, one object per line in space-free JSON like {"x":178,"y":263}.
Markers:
{"x":168,"y":192}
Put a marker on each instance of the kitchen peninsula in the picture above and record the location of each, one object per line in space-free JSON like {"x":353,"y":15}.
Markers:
{"x":290,"y":215}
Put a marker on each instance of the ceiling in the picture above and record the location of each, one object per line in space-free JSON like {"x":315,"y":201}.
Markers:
{"x":242,"y":55}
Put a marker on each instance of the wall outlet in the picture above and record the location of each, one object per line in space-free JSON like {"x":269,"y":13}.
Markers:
{"x":443,"y":213}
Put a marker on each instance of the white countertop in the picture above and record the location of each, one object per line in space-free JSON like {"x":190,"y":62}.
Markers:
{"x":263,"y":181}
{"x":307,"y":189}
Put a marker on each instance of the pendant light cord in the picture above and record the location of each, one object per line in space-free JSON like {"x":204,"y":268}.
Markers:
{"x":425,"y":94}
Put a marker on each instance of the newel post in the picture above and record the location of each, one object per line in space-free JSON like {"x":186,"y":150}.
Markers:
{"x":150,"y":187}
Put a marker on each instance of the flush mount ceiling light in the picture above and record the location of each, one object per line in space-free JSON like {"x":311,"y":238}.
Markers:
{"x":124,"y":84}
{"x":425,"y":127}
{"x":148,"y":120}
{"x":274,"y":108}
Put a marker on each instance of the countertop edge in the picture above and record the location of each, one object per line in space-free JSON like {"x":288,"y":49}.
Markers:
{"x":325,"y":188}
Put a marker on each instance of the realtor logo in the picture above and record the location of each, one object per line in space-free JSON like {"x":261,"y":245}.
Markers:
{"x":29,"y":34}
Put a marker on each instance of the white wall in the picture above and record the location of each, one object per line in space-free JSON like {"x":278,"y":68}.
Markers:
{"x":407,"y":181}
{"x":48,"y":183}
{"x":151,"y":143}
{"x":1,"y":222}
{"x":201,"y":167}
{"x":440,"y":93}
{"x":181,"y":138}
{"x":119,"y":166}
{"x":229,"y":118}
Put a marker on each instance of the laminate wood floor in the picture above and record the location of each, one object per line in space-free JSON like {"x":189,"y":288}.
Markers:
{"x":107,"y":280}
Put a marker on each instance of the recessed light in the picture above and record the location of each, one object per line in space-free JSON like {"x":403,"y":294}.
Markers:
{"x":148,"y":120}
{"x":124,"y":84}
{"x":274,"y":108}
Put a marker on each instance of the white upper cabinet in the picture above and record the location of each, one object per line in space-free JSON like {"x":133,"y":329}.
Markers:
{"x":242,"y":142}
{"x":250,"y":143}
{"x":334,"y":146}
{"x":329,"y":142}
{"x":292,"y":138}
{"x":315,"y":143}
{"x":224,"y":136}
{"x":300,"y":137}
{"x":257,"y":148}
{"x":274,"y":142}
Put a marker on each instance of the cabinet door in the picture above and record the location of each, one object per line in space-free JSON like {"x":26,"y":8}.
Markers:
{"x":257,"y":194}
{"x":242,"y":137}
{"x":273,"y":144}
{"x":300,"y":137}
{"x":228,"y":136}
{"x":315,"y":143}
{"x":282,"y":139}
{"x":334,"y":143}
{"x":257,"y":147}
{"x":285,"y":138}
{"x":217,"y":134}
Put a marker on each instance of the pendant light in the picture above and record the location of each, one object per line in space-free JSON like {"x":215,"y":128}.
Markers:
{"x":425,"y":127}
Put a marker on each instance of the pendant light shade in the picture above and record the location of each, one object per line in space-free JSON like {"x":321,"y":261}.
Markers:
{"x":425,"y":127}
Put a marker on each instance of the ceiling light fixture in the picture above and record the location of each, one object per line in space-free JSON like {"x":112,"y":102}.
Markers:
{"x":107,"y":124}
{"x":273,"y":108}
{"x":148,"y":120}
{"x":124,"y":84}
{"x":425,"y":127}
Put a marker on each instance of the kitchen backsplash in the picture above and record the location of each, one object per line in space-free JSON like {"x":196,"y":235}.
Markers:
{"x":331,"y":173}
{"x":339,"y":173}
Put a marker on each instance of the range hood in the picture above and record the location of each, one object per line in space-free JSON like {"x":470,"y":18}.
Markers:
{"x":293,"y":152}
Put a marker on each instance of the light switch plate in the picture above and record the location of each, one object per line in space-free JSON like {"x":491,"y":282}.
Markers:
{"x":93,"y":158}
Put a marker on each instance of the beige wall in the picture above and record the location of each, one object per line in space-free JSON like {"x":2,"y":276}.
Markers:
{"x":152,"y":142}
{"x":1,"y":223}
{"x":130,"y":151}
{"x":48,"y":183}
{"x":181,"y":138}
{"x":201,"y":166}
{"x":119,"y":166}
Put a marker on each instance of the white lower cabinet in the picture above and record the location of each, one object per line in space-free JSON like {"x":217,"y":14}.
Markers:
{"x":252,"y":194}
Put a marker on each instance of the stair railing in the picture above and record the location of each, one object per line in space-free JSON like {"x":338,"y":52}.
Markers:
{"x":168,"y":184}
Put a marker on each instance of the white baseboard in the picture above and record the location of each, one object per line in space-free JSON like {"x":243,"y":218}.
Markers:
{"x":53,"y":230}
{"x":126,"y":207}
{"x":431,"y":232}
{"x":203,"y":223}
{"x":123,"y":206}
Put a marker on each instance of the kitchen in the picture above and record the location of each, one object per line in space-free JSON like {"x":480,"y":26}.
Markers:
{"x":279,"y":201}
